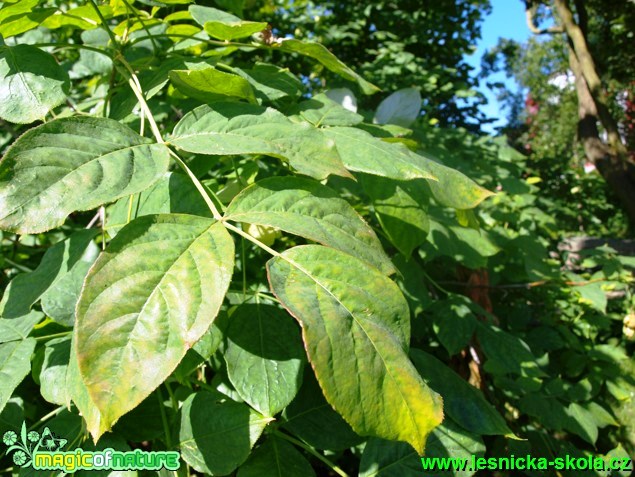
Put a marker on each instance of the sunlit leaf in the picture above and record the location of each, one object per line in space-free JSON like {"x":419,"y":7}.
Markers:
{"x":73,"y":164}
{"x":31,"y":83}
{"x":356,"y":327}
{"x":237,"y":128}
{"x":311,"y":210}
{"x":149,"y":297}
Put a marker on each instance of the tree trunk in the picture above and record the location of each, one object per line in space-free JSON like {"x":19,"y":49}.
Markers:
{"x":578,"y":43}
{"x":613,"y":169}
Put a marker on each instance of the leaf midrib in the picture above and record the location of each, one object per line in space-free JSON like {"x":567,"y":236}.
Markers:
{"x":392,"y":378}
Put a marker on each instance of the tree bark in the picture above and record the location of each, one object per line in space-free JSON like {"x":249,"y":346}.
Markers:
{"x":609,"y":163}
{"x":577,"y":40}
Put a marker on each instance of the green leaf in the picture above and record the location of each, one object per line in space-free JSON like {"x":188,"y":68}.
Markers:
{"x":19,"y":327}
{"x":311,"y":210}
{"x":264,"y":357}
{"x":31,"y":84}
{"x":173,"y":193}
{"x":147,"y":299}
{"x":202,"y":15}
{"x":461,"y":401}
{"x":21,"y":17}
{"x":362,"y":152}
{"x":382,"y":458}
{"x":60,"y":300}
{"x":401,"y":108}
{"x":320,"y":53}
{"x":209,"y":85}
{"x":237,"y":128}
{"x":217,"y":434}
{"x":52,"y":375}
{"x":271,"y":82}
{"x":233,"y":30}
{"x":73,"y":164}
{"x":471,"y":248}
{"x":506,"y":353}
{"x":276,"y":458}
{"x":313,"y":420}
{"x":77,"y":391}
{"x":452,"y":188}
{"x":321,"y":110}
{"x":401,"y":209}
{"x":84,"y":17}
{"x":63,"y":265}
{"x":15,"y":364}
{"x":454,"y":322}
{"x":356,"y":327}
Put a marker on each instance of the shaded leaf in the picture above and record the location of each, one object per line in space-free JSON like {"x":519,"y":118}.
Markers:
{"x":313,"y":420}
{"x":31,"y":84}
{"x":382,"y":458}
{"x":173,"y":193}
{"x":276,"y":458}
{"x":461,"y":401}
{"x":321,"y":110}
{"x":506,"y":353}
{"x":271,"y":82}
{"x":15,"y":364}
{"x":53,"y":371}
{"x":63,"y":265}
{"x":338,"y":299}
{"x":236,"y":128}
{"x":217,"y":434}
{"x":454,"y":322}
{"x":173,"y":271}
{"x":401,"y":209}
{"x":264,"y":357}
{"x":73,"y":164}
{"x":311,"y":210}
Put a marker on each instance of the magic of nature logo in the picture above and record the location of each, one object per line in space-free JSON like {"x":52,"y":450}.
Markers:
{"x":45,"y":452}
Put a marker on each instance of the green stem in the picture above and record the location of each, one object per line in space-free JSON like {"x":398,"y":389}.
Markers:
{"x":112,"y":36}
{"x":201,"y":189}
{"x":143,"y":25}
{"x":173,"y":400}
{"x":46,"y":417}
{"x":107,"y":51}
{"x":313,"y":452}
{"x":54,"y":335}
{"x":135,"y":85}
{"x":164,"y":419}
{"x":17,"y":265}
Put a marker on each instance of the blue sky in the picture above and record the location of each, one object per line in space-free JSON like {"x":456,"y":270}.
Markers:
{"x":507,"y":20}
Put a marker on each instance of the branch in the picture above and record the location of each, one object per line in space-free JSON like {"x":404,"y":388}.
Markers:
{"x":530,"y":13}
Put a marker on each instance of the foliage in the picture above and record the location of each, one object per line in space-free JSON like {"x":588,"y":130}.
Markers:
{"x":201,"y":256}
{"x":396,"y":44}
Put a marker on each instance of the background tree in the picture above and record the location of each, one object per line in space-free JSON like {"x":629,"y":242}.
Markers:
{"x":396,"y":44}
